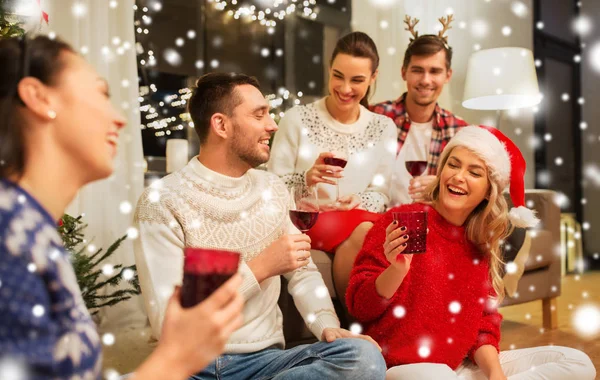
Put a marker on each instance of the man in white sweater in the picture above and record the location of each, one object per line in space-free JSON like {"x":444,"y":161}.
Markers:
{"x":220,"y":201}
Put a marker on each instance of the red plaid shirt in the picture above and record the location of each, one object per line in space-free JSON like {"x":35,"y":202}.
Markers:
{"x":445,"y":126}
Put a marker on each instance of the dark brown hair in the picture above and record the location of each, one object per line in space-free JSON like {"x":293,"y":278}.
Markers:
{"x":358,"y":44}
{"x":215,"y":93}
{"x":426,"y":45}
{"x":19,"y":58}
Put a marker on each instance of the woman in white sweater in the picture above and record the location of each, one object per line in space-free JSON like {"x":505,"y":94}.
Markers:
{"x":340,"y":122}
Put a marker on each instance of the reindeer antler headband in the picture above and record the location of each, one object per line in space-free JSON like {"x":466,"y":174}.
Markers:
{"x":445,"y":21}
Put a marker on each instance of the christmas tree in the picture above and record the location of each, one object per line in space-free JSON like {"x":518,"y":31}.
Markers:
{"x":9,"y":27}
{"x":95,"y":280}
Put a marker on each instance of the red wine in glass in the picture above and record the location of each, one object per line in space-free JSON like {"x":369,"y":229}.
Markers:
{"x":416,"y":168}
{"x":204,"y":271}
{"x":303,"y":220}
{"x":198,"y":287}
{"x":335,"y":161}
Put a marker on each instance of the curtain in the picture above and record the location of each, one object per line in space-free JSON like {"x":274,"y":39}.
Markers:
{"x":103,"y":32}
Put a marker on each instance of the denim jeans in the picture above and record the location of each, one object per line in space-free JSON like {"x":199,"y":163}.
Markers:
{"x":347,"y":359}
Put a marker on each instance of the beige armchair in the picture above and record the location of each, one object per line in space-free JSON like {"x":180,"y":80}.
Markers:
{"x":537,"y":277}
{"x":538,"y":274}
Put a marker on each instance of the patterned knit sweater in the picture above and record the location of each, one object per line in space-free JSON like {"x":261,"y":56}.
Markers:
{"x":441,"y":312}
{"x":309,"y":130}
{"x":43,"y":320}
{"x":197,"y":207}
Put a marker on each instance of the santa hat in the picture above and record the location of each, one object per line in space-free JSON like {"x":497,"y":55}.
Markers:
{"x":505,"y":163}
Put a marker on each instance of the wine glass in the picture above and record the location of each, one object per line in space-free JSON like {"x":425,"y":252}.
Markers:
{"x":416,"y":162}
{"x":340,"y":159}
{"x":304,"y":208}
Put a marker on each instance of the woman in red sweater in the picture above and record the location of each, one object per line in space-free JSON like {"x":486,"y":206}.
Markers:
{"x":431,"y":311}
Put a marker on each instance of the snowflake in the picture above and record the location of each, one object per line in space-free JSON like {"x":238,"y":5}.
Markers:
{"x":108,"y":269}
{"x":108,"y":339}
{"x":172,"y":56}
{"x":586,"y":320}
{"x":267,"y":195}
{"x":132,"y":233}
{"x":356,"y":328}
{"x":125,"y":207}
{"x":31,"y":267}
{"x":378,"y":180}
{"x":479,"y":29}
{"x":38,"y":311}
{"x":311,"y":318}
{"x":582,"y":25}
{"x":13,"y":369}
{"x":79,"y":10}
{"x":321,"y":292}
{"x":511,"y":267}
{"x":519,"y":9}
{"x":111,"y":374}
{"x":424,"y":351}
{"x":454,"y":307}
{"x":154,"y":196}
{"x":399,"y":312}
{"x":128,"y":274}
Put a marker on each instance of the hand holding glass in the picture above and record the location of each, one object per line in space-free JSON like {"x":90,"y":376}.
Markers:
{"x":340,"y":159}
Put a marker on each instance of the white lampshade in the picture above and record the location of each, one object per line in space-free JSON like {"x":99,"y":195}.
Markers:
{"x":501,"y":79}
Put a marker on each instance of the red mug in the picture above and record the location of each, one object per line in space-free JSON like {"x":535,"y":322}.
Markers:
{"x":416,"y":229}
{"x":204,"y":271}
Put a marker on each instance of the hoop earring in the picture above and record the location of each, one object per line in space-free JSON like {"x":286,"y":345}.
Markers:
{"x":51,"y":114}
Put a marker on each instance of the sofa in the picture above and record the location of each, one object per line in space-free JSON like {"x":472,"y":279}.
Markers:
{"x":536,"y":254}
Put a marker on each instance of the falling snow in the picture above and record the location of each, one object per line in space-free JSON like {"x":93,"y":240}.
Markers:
{"x":356,"y":328}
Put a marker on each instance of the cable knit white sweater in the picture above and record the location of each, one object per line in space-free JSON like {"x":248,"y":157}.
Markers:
{"x":309,"y":130}
{"x":197,"y":207}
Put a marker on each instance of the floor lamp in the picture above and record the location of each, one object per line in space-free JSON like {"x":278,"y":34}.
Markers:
{"x":501,"y":79}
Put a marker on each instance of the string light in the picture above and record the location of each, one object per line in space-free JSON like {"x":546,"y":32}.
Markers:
{"x":168,"y":114}
{"x":269,"y":12}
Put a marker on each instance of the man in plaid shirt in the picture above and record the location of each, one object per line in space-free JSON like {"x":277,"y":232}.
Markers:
{"x":424,"y":128}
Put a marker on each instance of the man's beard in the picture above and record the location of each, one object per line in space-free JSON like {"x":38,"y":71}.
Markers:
{"x":424,"y":104}
{"x":245,"y":151}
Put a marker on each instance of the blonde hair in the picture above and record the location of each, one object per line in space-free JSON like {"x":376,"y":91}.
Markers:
{"x":487,"y":226}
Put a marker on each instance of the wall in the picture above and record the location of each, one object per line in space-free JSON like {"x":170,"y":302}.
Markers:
{"x":477,"y":22}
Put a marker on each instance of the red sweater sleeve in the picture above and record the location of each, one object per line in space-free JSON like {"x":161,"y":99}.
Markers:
{"x":362,"y":299}
{"x":489,"y":330}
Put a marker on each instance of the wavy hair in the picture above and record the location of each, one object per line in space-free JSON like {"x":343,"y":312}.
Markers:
{"x":487,"y":226}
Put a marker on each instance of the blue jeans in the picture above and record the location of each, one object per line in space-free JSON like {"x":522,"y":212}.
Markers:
{"x":347,"y":359}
